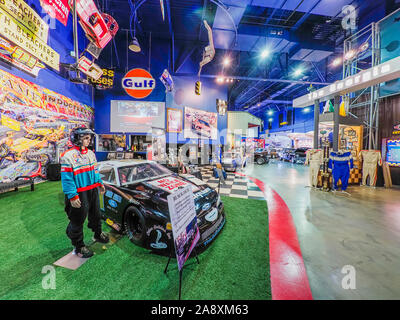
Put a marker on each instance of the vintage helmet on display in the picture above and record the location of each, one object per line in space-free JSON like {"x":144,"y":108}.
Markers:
{"x":78,"y":133}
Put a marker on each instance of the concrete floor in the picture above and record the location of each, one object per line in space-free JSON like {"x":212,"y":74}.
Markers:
{"x":335,"y":230}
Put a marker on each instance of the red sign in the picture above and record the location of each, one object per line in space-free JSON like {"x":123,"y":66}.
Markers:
{"x":138,"y":83}
{"x":56,"y":9}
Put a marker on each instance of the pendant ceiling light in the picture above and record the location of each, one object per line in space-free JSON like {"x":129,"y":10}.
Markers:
{"x":134,"y":45}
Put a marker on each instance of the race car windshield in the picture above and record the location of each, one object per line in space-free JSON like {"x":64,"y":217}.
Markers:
{"x":143,"y":171}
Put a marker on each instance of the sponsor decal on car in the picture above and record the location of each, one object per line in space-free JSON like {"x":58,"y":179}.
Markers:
{"x":206,"y":206}
{"x":157,"y":244}
{"x":113,"y":224}
{"x":202,"y":193}
{"x":171,"y":184}
{"x":212,"y":216}
{"x":117,"y":198}
{"x":112,"y":203}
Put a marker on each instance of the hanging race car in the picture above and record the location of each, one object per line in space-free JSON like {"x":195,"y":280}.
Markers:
{"x":89,"y":68}
{"x":135,"y":203}
{"x":92,"y":22}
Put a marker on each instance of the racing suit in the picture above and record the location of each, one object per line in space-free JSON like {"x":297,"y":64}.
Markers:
{"x":370,"y":160}
{"x":80,"y":179}
{"x":314,"y":158}
{"x":340,"y":163}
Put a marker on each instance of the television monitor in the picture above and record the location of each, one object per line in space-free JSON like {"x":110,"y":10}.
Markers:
{"x":136,"y":116}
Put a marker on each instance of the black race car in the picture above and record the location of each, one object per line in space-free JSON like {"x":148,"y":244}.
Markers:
{"x":135,"y":203}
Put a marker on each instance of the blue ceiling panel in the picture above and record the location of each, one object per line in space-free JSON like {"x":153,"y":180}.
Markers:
{"x":223,"y":39}
{"x":223,"y":21}
{"x":301,"y":54}
{"x":237,"y":3}
{"x":317,"y":56}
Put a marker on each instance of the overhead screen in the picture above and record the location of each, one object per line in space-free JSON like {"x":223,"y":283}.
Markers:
{"x":136,"y":116}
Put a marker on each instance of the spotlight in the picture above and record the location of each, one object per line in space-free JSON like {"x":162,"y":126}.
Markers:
{"x":227,"y":62}
{"x":306,"y":110}
{"x":134,"y":45}
{"x":220,"y":79}
{"x":265,"y":53}
{"x":270,"y":112}
{"x":337,"y":62}
{"x":298,"y":72}
{"x":364,"y":47}
{"x":350,"y":55}
{"x":270,"y":119}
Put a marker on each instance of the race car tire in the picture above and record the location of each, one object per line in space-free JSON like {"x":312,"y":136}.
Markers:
{"x":260,"y":161}
{"x":135,"y":226}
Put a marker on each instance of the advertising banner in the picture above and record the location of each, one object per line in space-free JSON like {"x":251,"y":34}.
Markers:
{"x":200,"y":124}
{"x":34,"y":125}
{"x":27,"y":40}
{"x":57,"y":9}
{"x":19,"y":58}
{"x":106,"y":81}
{"x":184,"y":223}
{"x":23,"y":13}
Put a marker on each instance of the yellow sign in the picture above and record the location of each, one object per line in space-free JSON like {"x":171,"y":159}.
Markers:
{"x":21,"y":36}
{"x":23,"y":13}
{"x":10,"y":123}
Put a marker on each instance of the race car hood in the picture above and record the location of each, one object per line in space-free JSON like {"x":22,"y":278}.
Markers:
{"x":159,"y":189}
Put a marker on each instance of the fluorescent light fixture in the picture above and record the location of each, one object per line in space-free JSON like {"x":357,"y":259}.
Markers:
{"x":366,"y":76}
{"x":385,"y":68}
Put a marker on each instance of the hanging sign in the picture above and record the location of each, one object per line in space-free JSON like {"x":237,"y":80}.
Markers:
{"x":106,"y":81}
{"x":24,"y":38}
{"x":23,"y":13}
{"x":138,"y":83}
{"x":19,"y":58}
{"x":56,"y":9}
{"x":184,"y":223}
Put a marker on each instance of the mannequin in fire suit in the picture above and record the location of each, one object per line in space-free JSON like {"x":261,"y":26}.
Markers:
{"x":80,"y":182}
{"x":314,"y":157}
{"x":370,"y":159}
{"x":340,"y":163}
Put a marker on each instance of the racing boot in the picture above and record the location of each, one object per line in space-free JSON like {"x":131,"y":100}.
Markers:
{"x":83,"y":252}
{"x":102,"y":237}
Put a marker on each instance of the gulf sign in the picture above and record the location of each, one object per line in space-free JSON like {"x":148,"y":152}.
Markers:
{"x":138,"y":83}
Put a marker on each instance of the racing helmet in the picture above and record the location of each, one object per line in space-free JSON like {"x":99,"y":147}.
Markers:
{"x":78,"y":133}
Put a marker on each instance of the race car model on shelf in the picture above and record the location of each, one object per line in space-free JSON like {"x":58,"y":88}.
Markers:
{"x":231,"y":161}
{"x":135,"y":203}
{"x":92,"y":22}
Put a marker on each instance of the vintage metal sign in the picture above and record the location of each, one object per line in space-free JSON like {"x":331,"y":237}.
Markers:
{"x":23,"y":37}
{"x":23,"y":13}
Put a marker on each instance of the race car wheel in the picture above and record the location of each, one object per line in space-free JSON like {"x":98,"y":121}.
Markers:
{"x":260,"y":161}
{"x":135,"y":226}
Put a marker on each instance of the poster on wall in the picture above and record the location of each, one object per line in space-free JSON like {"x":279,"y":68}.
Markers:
{"x":34,"y":126}
{"x":184,"y":223}
{"x":159,"y":146}
{"x":174,"y":120}
{"x":200,"y":124}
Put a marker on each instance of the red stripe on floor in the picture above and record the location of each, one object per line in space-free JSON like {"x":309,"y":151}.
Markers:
{"x":289,"y":279}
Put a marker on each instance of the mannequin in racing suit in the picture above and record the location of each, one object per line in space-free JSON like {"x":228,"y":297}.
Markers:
{"x":80,"y":182}
{"x":314,"y":158}
{"x":370,"y":159}
{"x":340,"y":163}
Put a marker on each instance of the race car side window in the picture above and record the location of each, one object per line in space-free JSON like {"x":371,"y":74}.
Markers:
{"x":107,"y":174}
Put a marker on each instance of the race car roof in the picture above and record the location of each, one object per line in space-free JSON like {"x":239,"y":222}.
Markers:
{"x":124,"y":162}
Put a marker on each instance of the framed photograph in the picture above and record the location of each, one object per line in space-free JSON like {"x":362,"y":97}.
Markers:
{"x":174,"y":120}
{"x":200,"y":124}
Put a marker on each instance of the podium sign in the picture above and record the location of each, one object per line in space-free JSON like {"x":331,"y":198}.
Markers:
{"x":184,"y":223}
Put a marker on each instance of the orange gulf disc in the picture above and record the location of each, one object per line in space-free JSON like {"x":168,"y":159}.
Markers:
{"x":138,"y":83}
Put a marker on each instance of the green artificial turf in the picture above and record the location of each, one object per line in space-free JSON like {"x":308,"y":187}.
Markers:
{"x":32,"y":235}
